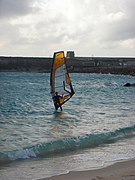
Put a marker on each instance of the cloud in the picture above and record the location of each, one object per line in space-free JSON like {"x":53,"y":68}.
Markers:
{"x":122,"y":26}
{"x":13,"y":8}
{"x":39,"y":27}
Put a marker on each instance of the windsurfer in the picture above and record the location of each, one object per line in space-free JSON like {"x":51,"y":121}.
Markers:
{"x":56,"y":100}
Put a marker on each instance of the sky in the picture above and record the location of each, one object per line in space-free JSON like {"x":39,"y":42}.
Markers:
{"x":87,"y":27}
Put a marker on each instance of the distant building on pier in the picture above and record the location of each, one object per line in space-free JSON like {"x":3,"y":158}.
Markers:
{"x":70,"y":54}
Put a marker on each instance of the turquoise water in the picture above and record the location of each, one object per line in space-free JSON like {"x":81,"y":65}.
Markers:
{"x":96,"y":127}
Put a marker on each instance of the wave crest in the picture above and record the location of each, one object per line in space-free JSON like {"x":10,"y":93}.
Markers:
{"x":67,"y":144}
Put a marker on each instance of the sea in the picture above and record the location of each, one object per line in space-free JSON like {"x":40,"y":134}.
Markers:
{"x":95,"y":129}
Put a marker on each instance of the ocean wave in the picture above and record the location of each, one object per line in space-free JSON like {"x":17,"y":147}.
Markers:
{"x":67,"y":144}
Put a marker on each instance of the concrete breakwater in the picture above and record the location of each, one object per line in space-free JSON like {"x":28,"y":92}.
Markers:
{"x":114,"y":65}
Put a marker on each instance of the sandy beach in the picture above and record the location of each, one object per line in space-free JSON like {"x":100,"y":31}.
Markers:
{"x":119,"y":171}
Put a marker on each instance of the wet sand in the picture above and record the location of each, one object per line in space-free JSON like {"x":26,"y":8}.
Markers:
{"x":119,"y":171}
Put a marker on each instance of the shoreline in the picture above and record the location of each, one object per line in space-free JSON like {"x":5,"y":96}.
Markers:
{"x":124,"y":170}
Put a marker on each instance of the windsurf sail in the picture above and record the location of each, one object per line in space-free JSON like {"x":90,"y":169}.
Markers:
{"x":59,"y":80}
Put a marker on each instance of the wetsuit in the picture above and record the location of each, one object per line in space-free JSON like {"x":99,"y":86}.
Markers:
{"x":56,"y":100}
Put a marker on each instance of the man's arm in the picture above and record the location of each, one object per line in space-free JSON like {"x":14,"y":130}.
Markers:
{"x":72,"y":91}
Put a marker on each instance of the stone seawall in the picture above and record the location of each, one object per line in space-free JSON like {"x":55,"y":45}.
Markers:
{"x":30,"y":64}
{"x":75,"y":65}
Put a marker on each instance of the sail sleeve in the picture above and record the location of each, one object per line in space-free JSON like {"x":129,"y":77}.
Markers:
{"x":60,"y":81}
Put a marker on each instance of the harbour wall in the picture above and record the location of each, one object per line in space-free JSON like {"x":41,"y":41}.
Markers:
{"x":114,"y":65}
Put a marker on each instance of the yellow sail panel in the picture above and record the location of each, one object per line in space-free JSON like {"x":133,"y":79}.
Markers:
{"x":59,"y":60}
{"x":67,"y":79}
{"x":60,"y":81}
